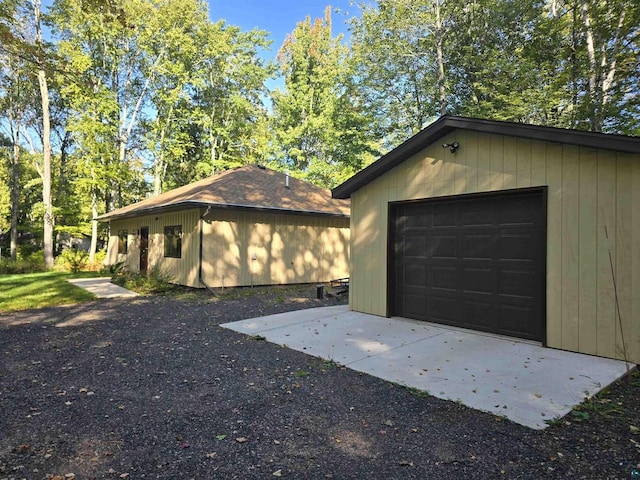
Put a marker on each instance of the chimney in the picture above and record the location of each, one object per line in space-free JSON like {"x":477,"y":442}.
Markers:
{"x":286,"y":181}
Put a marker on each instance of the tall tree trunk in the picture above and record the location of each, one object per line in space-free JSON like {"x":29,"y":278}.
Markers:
{"x":46,"y":144}
{"x":442,"y":93}
{"x":594,"y":120}
{"x":94,"y":227}
{"x":15,"y":196}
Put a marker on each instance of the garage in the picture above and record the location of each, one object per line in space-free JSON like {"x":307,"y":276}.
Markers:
{"x":527,"y":231}
{"x":472,"y":261}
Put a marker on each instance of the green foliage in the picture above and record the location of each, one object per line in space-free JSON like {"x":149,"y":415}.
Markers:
{"x":567,"y":64}
{"x":320,"y":128}
{"x":72,"y":259}
{"x":22,"y":265}
{"x":155,"y":281}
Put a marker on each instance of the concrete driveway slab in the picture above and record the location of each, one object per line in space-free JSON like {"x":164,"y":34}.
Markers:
{"x":520,"y":380}
{"x":102,"y":287}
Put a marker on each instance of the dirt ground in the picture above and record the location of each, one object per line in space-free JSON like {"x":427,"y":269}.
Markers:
{"x":153,"y":388}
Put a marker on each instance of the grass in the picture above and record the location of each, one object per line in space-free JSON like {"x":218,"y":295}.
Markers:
{"x":39,"y":290}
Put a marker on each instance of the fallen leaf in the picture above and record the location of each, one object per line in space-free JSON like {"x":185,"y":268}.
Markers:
{"x":124,"y":475}
{"x":633,"y":428}
{"x":389,"y":423}
{"x":241,"y":440}
{"x":405,"y":463}
{"x":83,"y":390}
{"x":277,"y":473}
{"x":277,"y":442}
{"x":538,"y":395}
{"x":220,"y":437}
{"x":211,"y":455}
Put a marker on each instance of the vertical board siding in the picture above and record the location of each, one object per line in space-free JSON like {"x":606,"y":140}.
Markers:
{"x":588,"y":189}
{"x":287,"y":249}
{"x":183,"y":270}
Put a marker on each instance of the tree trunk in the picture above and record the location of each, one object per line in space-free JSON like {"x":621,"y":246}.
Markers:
{"x":15,"y":197}
{"x":94,"y":227}
{"x":46,"y":145}
{"x":594,"y":120}
{"x":442,"y":93}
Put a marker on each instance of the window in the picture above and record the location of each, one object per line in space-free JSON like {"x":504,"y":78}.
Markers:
{"x":122,"y":241}
{"x":173,"y":241}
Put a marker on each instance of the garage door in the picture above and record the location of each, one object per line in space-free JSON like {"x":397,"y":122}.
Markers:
{"x":473,"y":261}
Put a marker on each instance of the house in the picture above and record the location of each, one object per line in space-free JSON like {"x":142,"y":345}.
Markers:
{"x":512,"y":229}
{"x":247,"y":226}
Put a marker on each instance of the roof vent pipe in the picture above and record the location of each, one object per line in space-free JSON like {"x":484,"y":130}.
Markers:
{"x":286,"y":181}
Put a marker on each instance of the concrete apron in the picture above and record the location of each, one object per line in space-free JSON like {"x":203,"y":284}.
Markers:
{"x":519,"y":380}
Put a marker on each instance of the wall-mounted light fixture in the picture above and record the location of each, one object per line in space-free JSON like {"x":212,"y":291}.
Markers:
{"x":451,"y":146}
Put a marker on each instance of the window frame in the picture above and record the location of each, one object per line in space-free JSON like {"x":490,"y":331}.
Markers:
{"x":123,"y":242}
{"x":171,"y":234}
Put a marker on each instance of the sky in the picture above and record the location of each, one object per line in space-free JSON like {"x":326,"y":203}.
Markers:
{"x":278,"y":17}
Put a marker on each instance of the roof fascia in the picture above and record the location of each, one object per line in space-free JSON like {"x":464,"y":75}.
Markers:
{"x":446,"y":124}
{"x":194,"y":204}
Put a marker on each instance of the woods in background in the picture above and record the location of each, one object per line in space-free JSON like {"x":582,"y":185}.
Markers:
{"x":103,"y":102}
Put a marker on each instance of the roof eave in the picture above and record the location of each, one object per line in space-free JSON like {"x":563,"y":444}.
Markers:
{"x":196,"y":204}
{"x":446,"y":124}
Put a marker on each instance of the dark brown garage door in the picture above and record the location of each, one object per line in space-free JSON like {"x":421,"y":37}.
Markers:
{"x":473,"y":261}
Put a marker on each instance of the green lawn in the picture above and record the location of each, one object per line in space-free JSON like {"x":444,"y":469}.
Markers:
{"x":38,"y":290}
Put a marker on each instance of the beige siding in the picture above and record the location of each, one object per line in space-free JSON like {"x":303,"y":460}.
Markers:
{"x":244,"y":248}
{"x":182,"y":270}
{"x":588,"y":189}
{"x":241,"y":248}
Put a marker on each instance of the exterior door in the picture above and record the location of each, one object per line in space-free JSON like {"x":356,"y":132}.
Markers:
{"x":473,"y":261}
{"x":144,"y":249}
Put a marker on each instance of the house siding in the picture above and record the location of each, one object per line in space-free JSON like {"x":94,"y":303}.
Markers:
{"x":248,"y":248}
{"x":588,"y":190}
{"x":183,"y":270}
{"x":287,"y":248}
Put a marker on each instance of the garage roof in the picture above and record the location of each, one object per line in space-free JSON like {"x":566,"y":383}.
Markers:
{"x":250,"y":187}
{"x":448,"y":123}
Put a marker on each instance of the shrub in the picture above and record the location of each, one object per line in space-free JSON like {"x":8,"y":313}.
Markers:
{"x":72,"y":259}
{"x":154,"y":281}
{"x":31,"y":264}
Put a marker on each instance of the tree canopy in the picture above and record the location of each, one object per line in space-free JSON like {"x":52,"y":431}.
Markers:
{"x":122,"y":99}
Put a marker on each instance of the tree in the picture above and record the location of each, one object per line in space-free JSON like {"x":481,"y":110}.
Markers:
{"x":320,"y":127}
{"x":46,"y":138}
{"x":398,"y":51}
{"x":567,"y":63}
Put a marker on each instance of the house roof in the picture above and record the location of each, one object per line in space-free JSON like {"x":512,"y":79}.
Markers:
{"x":448,"y":123}
{"x":249,"y":187}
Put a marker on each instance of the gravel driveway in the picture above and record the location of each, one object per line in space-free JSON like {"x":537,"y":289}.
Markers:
{"x":152,"y":387}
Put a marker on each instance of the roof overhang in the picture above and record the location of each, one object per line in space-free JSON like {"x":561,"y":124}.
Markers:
{"x":447,"y":124}
{"x":185,"y":205}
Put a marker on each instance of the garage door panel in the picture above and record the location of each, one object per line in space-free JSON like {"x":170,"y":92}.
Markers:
{"x":479,"y":281}
{"x":478,"y":215}
{"x":415,"y":275}
{"x":415,"y":245}
{"x":415,"y":306}
{"x":479,"y":315}
{"x":443,"y":246}
{"x":517,"y":283}
{"x":444,"y":309}
{"x":444,"y":215}
{"x":443,"y":278}
{"x":478,"y":246}
{"x":518,"y":212}
{"x":518,"y":321}
{"x":522,"y":247}
{"x":475,"y":262}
